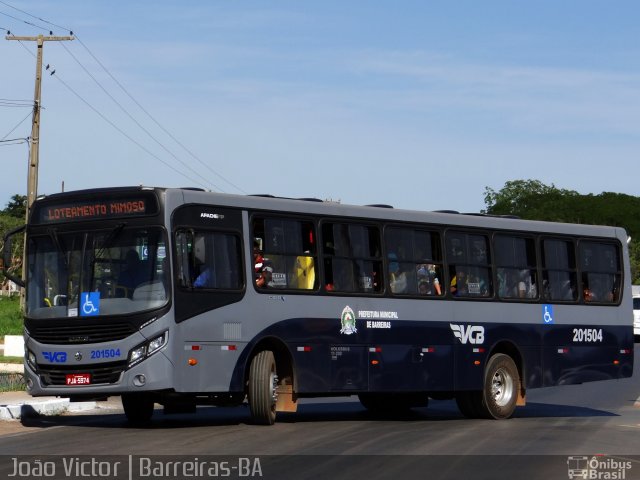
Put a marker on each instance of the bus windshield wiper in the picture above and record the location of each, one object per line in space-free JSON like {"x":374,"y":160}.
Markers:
{"x":113,"y":234}
{"x":53,"y":233}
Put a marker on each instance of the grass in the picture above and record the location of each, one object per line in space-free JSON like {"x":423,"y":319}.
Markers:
{"x":10,"y":316}
{"x":11,"y":382}
{"x":10,"y":324}
{"x":11,"y":359}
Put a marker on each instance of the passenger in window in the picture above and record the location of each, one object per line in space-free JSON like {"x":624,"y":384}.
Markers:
{"x":588,"y":295}
{"x":262,"y":266}
{"x":258,"y":259}
{"x":131,"y":273}
{"x":205,"y":279}
{"x":428,"y":281}
{"x":397,"y":278}
{"x":458,"y":285}
{"x":265,"y":278}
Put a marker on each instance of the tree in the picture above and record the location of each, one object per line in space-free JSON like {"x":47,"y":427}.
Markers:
{"x":8,"y":223}
{"x":530,"y":199}
{"x":16,"y":207}
{"x":12,"y":217}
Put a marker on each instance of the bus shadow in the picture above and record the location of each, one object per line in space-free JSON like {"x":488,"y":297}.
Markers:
{"x":437,"y":411}
{"x":348,"y":411}
{"x":549,"y":410}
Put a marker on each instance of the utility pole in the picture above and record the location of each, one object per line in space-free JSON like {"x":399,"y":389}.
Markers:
{"x":34,"y":147}
{"x":34,"y":150}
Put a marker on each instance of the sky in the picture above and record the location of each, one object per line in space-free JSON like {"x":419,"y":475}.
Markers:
{"x":416,"y":104}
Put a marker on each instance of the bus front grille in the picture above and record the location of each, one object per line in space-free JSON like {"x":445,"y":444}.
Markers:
{"x":76,"y":334}
{"x":100,"y":374}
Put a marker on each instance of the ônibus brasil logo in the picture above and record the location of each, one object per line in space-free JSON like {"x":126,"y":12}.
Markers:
{"x":348,"y":321}
{"x":468,"y":333}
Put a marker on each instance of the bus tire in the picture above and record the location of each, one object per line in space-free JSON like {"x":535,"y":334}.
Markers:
{"x":263,"y":388}
{"x":469,"y":403}
{"x":501,"y":386}
{"x":138,"y":407}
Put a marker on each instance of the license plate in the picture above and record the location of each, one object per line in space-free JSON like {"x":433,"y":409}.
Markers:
{"x":78,"y":379}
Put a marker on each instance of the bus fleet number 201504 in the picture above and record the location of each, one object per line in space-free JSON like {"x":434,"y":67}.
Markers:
{"x":587,"y":335}
{"x":105,"y":353}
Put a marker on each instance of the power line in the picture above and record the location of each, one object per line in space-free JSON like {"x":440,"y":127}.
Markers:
{"x":15,"y":103}
{"x":113,"y":125}
{"x":122,"y":132}
{"x":187,"y":166}
{"x":20,"y":123}
{"x":20,"y":20}
{"x":37,"y":18}
{"x":193,"y":155}
{"x":13,"y":141}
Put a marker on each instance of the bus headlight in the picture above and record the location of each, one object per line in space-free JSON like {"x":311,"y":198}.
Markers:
{"x":31,"y":359}
{"x":148,"y":348}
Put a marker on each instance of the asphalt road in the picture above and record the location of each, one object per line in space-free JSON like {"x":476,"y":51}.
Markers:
{"x":600,"y":418}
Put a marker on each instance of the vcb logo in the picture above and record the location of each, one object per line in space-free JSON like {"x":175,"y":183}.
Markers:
{"x":468,"y":333}
{"x":55,"y":357}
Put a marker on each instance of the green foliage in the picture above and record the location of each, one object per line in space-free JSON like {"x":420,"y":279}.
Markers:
{"x":16,"y":207}
{"x":533,"y":200}
{"x":10,"y":316}
{"x":12,"y":217}
{"x":8,"y":223}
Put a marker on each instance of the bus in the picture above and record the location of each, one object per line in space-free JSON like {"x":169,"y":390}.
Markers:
{"x":182,"y":298}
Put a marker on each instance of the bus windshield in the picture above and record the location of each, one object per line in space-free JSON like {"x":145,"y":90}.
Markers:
{"x":114,"y":271}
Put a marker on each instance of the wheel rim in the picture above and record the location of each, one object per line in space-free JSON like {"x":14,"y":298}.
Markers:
{"x":502,"y":387}
{"x":273,"y":381}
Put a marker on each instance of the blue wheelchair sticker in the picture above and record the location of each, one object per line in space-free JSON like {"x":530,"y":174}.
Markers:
{"x":89,"y":304}
{"x":547,"y":314}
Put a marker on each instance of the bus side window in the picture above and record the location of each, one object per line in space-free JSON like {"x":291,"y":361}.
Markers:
{"x":208,"y":260}
{"x":414,"y":262}
{"x":352,"y":258}
{"x":289,"y":249}
{"x":515,"y":258}
{"x":470,"y":270}
{"x":600,"y":272}
{"x":559,"y":270}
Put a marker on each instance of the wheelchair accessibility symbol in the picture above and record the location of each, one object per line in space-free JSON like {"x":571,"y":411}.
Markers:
{"x":547,"y":314}
{"x":89,"y":304}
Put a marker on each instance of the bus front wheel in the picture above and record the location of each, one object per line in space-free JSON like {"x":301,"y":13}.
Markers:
{"x":263,"y":388}
{"x":138,"y":407}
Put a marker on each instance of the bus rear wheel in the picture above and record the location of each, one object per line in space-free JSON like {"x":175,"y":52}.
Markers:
{"x":263,"y":388}
{"x":469,"y":403}
{"x":138,"y":407}
{"x":501,"y":387}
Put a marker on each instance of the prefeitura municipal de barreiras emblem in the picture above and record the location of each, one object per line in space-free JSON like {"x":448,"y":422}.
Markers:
{"x":348,"y":321}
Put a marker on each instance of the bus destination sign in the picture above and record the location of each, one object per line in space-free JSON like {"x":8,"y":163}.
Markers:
{"x":93,"y":210}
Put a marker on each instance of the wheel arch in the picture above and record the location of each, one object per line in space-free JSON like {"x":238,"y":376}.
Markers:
{"x":284,"y":360}
{"x":509,"y":348}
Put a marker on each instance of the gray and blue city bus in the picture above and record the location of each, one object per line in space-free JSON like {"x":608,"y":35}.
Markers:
{"x":181,"y":297}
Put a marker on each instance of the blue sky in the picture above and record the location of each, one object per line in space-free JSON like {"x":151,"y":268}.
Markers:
{"x":417,"y":104}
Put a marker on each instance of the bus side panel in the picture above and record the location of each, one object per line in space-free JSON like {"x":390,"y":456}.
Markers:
{"x":476,"y":343}
{"x":410,"y":368}
{"x":347,"y":372}
{"x":577,"y":353}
